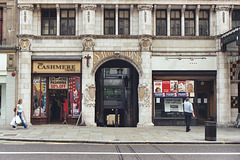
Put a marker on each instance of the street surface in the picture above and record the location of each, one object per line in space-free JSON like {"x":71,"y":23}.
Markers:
{"x":16,"y":150}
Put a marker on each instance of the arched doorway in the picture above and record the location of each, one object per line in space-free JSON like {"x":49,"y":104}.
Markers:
{"x":117,"y":94}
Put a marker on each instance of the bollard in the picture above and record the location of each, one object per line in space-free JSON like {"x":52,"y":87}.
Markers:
{"x":210,"y":131}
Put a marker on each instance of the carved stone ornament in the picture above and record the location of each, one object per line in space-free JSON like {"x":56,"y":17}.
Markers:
{"x":24,"y":45}
{"x":223,"y":8}
{"x":145,"y":44}
{"x":144,"y":95}
{"x":89,"y":7}
{"x":145,"y":7}
{"x":89,"y":95}
{"x":26,"y":7}
{"x":88,"y":44}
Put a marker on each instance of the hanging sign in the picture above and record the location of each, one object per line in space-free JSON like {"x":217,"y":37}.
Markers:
{"x":58,"y":83}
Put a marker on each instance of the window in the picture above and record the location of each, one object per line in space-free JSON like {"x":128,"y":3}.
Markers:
{"x":68,"y":22}
{"x":124,"y":22}
{"x":109,"y":21}
{"x":49,"y":22}
{"x":204,"y":23}
{"x":175,"y":23}
{"x":235,"y":18}
{"x":189,"y":23}
{"x":74,"y":96}
{"x":1,"y":24}
{"x":161,"y":22}
{"x":39,"y":96}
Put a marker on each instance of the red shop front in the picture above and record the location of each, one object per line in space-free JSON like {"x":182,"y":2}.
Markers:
{"x":56,"y":92}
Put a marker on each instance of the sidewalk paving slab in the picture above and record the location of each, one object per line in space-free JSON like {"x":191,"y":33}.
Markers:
{"x":121,"y":135}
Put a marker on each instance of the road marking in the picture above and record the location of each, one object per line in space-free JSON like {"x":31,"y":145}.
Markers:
{"x":110,"y":153}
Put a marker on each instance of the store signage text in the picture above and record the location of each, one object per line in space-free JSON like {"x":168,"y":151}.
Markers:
{"x":135,"y":56}
{"x":56,"y":67}
{"x":58,"y":83}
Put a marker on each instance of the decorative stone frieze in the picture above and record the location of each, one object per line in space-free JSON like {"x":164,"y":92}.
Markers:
{"x":145,"y":7}
{"x":24,"y":45}
{"x":89,"y":95}
{"x":89,"y":7}
{"x":223,"y":8}
{"x":26,"y":7}
{"x":145,"y":44}
{"x":88,"y":44}
{"x":144,"y":95}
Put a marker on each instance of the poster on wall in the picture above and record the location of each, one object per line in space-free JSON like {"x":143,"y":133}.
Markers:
{"x":165,"y":86}
{"x":173,"y":105}
{"x":181,"y":86}
{"x":190,"y":86}
{"x":158,"y":86}
{"x":173,"y":86}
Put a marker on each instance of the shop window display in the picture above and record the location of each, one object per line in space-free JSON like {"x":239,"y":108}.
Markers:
{"x":169,"y":96}
{"x":39,"y":96}
{"x":74,"y":98}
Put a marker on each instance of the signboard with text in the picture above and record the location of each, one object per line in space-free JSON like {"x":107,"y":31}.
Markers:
{"x":58,"y":82}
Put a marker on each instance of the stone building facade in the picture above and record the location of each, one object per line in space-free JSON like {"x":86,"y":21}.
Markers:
{"x":80,"y":58}
{"x":8,"y":59}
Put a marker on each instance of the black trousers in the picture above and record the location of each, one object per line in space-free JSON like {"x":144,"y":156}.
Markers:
{"x":188,"y":117}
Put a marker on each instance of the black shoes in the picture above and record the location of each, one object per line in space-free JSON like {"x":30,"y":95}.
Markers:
{"x":188,"y":130}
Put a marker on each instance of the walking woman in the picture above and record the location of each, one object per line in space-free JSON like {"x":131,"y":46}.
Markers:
{"x":19,"y":112}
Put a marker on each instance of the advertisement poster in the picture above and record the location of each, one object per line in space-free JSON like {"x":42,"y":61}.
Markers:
{"x":173,"y":105}
{"x":157,"y":86}
{"x":166,"y":86}
{"x":173,"y":86}
{"x":190,"y":86}
{"x":58,"y":83}
{"x":181,"y":86}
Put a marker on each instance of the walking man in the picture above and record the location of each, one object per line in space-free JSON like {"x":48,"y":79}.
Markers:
{"x":188,"y":112}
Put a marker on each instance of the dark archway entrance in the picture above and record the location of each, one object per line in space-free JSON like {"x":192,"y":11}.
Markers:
{"x":117,"y":94}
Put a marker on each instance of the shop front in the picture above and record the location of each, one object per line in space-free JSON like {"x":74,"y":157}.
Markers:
{"x":171,"y":90}
{"x":56,"y":92}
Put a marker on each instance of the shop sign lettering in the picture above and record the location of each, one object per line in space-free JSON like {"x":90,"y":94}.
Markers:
{"x":56,"y":67}
{"x":134,"y":55}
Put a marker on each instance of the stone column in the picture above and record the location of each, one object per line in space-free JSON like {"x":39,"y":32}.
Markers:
{"x":169,"y":20}
{"x":89,"y":18}
{"x":223,"y":77}
{"x":145,"y":85}
{"x":116,"y":20}
{"x":58,"y":19}
{"x":197,"y":20}
{"x":88,"y":83}
{"x":26,"y":19}
{"x":145,"y":19}
{"x":183,"y":20}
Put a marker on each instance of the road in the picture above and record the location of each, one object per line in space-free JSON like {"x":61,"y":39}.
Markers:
{"x":16,"y":150}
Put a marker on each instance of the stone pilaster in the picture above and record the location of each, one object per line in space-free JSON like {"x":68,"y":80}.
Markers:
{"x":183,"y":20}
{"x":222,"y":16}
{"x":89,"y":18}
{"x":223,"y":91}
{"x":145,"y":85}
{"x":145,"y":19}
{"x":26,"y":19}
{"x":88,"y":83}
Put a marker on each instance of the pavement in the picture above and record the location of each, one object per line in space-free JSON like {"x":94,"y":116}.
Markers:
{"x":122,"y":135}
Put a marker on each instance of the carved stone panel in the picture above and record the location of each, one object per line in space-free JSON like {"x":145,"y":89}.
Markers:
{"x":145,"y":44}
{"x":89,"y":95}
{"x":24,"y":45}
{"x":144,"y":95}
{"x":88,"y":44}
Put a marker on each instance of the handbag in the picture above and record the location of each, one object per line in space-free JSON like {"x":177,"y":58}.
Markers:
{"x":13,"y":122}
{"x":18,"y":119}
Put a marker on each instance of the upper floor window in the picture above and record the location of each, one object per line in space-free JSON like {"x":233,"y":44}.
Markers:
{"x":189,"y":23}
{"x":204,"y":23}
{"x":175,"y":23}
{"x":235,"y":18}
{"x":109,"y":21}
{"x":161,"y":22}
{"x":124,"y":22}
{"x":67,"y":22}
{"x":49,"y":22}
{"x":1,"y":24}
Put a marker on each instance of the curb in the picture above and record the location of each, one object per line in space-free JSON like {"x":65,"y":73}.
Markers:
{"x":113,"y":142}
